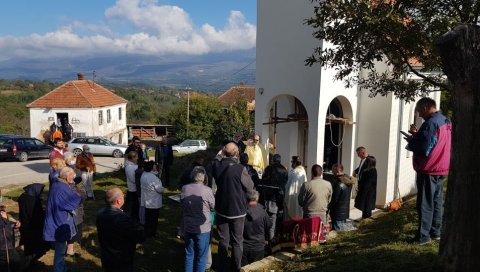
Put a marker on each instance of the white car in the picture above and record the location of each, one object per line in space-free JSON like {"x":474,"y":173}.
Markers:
{"x":98,"y":146}
{"x":190,"y":146}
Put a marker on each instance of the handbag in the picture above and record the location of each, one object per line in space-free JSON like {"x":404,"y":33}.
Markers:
{"x":395,"y":205}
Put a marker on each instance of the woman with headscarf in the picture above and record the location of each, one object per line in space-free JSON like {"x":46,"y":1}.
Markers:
{"x":86,"y":164}
{"x":32,"y":216}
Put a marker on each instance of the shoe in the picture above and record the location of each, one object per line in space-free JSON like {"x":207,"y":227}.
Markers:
{"x":416,"y":241}
{"x":74,"y":255}
{"x":436,"y":238}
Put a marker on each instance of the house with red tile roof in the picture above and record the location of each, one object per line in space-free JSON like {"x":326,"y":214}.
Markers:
{"x":235,"y":93}
{"x":89,"y":108}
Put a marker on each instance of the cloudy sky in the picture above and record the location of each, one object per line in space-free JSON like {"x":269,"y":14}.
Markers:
{"x":67,"y":28}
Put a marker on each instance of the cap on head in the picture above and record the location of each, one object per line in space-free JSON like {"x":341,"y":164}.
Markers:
{"x":86,"y":148}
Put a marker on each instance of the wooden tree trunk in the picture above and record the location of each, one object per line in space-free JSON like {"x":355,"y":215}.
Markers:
{"x":460,"y":52}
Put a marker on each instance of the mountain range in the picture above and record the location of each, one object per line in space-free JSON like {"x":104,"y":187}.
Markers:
{"x":212,"y":72}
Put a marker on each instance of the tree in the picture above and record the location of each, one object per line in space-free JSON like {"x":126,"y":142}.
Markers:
{"x":236,"y":118}
{"x":210,"y":120}
{"x":431,"y":39}
{"x":204,"y":116}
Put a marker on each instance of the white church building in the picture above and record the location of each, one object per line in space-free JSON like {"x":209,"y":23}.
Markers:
{"x":302,"y":111}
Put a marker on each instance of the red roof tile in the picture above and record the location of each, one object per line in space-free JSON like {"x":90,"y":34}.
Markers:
{"x":234,"y":93}
{"x":78,"y":94}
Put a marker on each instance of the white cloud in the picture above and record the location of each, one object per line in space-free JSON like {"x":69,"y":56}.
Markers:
{"x":158,"y":30}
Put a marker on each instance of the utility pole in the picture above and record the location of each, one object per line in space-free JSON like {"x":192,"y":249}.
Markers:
{"x":188,"y":108}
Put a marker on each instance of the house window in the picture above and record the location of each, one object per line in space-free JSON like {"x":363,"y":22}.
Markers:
{"x":119,"y":113}
{"x":79,"y":134}
{"x":109,"y":116}
{"x":100,"y":117}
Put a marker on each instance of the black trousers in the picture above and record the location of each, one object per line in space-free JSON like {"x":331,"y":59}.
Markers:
{"x":250,"y":256}
{"x":166,"y":174}
{"x":151,"y":221}
{"x":14,"y":261}
{"x":230,"y":232}
{"x":132,"y":205}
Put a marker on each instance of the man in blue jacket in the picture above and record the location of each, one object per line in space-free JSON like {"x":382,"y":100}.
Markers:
{"x":59,"y":220}
{"x":431,"y":160}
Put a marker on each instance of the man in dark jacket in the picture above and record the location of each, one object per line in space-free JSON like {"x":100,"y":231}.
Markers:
{"x":251,"y":171}
{"x":118,"y":234}
{"x":237,"y":139}
{"x":339,"y":206}
{"x":185,"y":178}
{"x":256,"y":230}
{"x":276,"y":173}
{"x":233,"y":183}
{"x":164,"y":159}
{"x":272,"y":191}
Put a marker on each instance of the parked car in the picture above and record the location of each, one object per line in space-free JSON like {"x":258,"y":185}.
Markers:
{"x":190,"y":146}
{"x":23,"y":148}
{"x":98,"y":146}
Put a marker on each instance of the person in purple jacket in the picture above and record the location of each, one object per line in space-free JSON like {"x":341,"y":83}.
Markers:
{"x":431,"y":160}
{"x":197,"y":202}
{"x":59,"y":224}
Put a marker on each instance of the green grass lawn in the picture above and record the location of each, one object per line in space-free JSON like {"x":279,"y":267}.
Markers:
{"x":380,"y":244}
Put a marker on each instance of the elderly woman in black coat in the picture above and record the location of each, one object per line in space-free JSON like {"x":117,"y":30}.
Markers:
{"x":367,"y":188}
{"x":32,"y":216}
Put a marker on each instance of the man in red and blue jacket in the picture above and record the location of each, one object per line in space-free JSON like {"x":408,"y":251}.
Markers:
{"x":431,"y":160}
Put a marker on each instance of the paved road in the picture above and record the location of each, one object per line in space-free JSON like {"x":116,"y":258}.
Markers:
{"x":19,"y":173}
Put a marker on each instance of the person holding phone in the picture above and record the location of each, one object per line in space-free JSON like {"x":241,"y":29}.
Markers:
{"x":431,"y":145}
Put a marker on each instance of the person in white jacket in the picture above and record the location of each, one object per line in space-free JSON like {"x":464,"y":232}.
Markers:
{"x":131,"y":203}
{"x":296,"y":177}
{"x":151,"y":198}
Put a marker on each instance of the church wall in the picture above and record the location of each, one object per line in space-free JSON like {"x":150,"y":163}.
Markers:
{"x":283,"y":44}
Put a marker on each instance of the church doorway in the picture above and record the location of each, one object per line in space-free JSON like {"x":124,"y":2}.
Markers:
{"x":336,"y":125}
{"x":288,"y":128}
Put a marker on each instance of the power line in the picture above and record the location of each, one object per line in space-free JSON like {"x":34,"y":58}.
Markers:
{"x":231,"y":75}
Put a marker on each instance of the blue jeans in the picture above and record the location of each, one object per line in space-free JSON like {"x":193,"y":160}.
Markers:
{"x":429,"y":206}
{"x":196,"y":251}
{"x":341,"y":225}
{"x":59,"y":264}
{"x":338,"y":225}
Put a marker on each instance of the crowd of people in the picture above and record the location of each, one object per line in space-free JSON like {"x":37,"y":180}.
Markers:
{"x":245,"y":196}
{"x":57,"y":224}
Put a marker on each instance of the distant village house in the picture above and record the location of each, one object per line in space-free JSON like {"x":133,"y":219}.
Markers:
{"x":83,"y":106}
{"x":235,"y":93}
